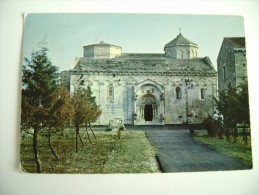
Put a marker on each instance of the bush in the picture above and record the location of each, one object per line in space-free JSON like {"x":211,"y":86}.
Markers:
{"x":108,"y":128}
{"x":210,"y":127}
{"x":122,"y":128}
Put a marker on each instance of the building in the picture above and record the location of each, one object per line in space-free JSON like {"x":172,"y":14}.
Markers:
{"x":175,"y":87}
{"x":231,"y":62}
{"x":65,"y":79}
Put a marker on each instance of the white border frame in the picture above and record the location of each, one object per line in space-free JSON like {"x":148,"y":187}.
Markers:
{"x":13,"y":182}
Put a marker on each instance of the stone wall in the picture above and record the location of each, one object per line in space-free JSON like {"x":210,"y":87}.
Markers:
{"x":241,"y":66}
{"x":123,"y":102}
{"x":233,"y":62}
{"x":226,"y":63}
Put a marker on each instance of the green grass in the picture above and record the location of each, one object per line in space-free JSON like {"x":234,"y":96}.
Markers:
{"x":237,"y":150}
{"x":107,"y":154}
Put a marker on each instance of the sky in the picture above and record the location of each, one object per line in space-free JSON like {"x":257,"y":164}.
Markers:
{"x":66,"y":34}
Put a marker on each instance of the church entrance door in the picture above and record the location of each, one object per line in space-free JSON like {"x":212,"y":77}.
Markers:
{"x":148,"y":113}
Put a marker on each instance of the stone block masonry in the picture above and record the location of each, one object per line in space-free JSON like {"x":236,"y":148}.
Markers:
{"x":148,"y":88}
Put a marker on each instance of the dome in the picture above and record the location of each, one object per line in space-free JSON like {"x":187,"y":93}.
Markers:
{"x":102,"y":50}
{"x":181,"y":48}
{"x":180,"y":40}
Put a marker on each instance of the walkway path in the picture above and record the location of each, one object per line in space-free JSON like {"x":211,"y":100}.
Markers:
{"x":178,"y":152}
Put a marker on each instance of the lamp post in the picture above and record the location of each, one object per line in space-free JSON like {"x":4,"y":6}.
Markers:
{"x":187,"y":82}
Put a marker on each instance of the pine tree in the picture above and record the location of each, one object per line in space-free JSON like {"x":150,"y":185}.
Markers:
{"x":86,"y":111}
{"x":233,"y":103}
{"x":81,"y":107}
{"x":94,"y":112}
{"x":39,"y":81}
{"x":243,"y":98}
{"x":90,"y":96}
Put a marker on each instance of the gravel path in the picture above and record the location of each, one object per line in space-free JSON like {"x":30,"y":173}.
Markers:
{"x":178,"y":152}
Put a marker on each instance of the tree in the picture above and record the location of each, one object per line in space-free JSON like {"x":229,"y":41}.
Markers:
{"x":59,"y":114}
{"x":93,"y":113}
{"x":227,"y":105}
{"x":81,"y":107}
{"x":86,"y":111}
{"x":233,"y":103}
{"x":243,"y":98}
{"x":89,"y":95}
{"x":39,"y":81}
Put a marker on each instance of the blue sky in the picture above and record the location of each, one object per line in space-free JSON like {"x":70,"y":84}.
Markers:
{"x":135,"y":33}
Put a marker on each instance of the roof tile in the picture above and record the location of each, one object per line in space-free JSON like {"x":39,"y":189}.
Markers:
{"x":180,"y":40}
{"x":236,"y":42}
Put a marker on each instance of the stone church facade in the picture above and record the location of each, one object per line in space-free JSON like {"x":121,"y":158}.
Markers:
{"x":175,"y":87}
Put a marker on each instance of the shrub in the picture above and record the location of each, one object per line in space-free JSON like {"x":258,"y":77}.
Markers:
{"x":209,"y":124}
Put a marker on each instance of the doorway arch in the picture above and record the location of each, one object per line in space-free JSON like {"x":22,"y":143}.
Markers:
{"x":148,"y":103}
{"x":149,"y":107}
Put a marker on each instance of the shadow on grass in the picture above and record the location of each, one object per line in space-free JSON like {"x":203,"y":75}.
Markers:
{"x":133,"y":153}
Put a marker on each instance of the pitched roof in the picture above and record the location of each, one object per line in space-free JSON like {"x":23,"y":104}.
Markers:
{"x":145,"y":63}
{"x":180,"y":40}
{"x":236,"y":42}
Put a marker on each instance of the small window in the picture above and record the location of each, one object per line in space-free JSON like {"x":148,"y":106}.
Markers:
{"x":178,"y":93}
{"x":224,"y":72}
{"x":110,"y":91}
{"x":202,"y":93}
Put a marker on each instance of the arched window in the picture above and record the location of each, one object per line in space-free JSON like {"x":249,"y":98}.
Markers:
{"x":224,"y":72}
{"x":186,"y":54}
{"x":110,"y":91}
{"x":178,"y":92}
{"x":192,"y":54}
{"x":180,"y":54}
{"x":202,"y":93}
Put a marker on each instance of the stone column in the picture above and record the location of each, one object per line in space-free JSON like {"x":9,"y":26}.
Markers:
{"x":142,"y":107}
{"x":135,"y":106}
{"x":162,"y":99}
{"x":154,"y":111}
{"x":162,"y":107}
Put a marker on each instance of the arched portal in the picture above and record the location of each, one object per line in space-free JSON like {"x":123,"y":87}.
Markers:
{"x":149,"y":104}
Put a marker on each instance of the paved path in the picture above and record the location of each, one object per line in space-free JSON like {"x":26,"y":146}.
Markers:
{"x":178,"y":152}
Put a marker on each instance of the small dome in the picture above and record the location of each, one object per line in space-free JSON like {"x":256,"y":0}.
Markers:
{"x":181,"y":48}
{"x":102,"y":50}
{"x":180,"y":40}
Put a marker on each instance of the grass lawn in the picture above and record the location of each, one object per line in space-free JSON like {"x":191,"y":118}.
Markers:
{"x":237,"y":150}
{"x":107,"y":154}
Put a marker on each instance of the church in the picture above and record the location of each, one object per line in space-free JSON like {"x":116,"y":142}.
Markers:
{"x":174,"y":87}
